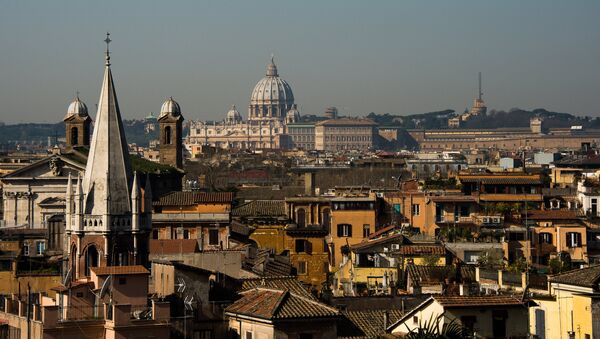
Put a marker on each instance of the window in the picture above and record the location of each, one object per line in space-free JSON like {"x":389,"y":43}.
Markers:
{"x":416,"y":209}
{"x":415,"y":319}
{"x":213,"y":237}
{"x":303,"y":245}
{"x":167,"y":135}
{"x":545,"y":238}
{"x":40,"y":247}
{"x":468,"y":321}
{"x":366,"y":230}
{"x":573,"y":239}
{"x":326,"y":267}
{"x":301,"y":217}
{"x":122,"y":280}
{"x":248,"y":335}
{"x":344,"y":230}
{"x":25,"y":249}
{"x":301,"y":267}
{"x":186,"y":234}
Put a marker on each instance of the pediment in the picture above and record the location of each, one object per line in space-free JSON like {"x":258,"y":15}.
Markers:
{"x":54,"y":166}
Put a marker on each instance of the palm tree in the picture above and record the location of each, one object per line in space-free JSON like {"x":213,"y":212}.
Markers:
{"x":431,"y":330}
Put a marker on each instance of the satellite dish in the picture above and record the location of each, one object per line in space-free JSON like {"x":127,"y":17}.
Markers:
{"x":104,"y":287}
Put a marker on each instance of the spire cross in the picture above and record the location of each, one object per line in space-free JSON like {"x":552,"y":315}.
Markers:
{"x":77,"y":94}
{"x":107,"y":41}
{"x":272,"y":58}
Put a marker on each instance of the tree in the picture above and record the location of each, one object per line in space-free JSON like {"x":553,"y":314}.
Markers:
{"x":431,"y":260}
{"x":431,"y":329}
{"x":561,"y":263}
{"x":519,"y":265}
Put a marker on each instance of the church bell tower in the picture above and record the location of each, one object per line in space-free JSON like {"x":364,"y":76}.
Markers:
{"x":170,"y":125}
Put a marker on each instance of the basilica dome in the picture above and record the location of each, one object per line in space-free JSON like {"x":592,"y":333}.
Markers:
{"x":77,"y":107}
{"x":233,"y":116}
{"x":170,"y":106}
{"x":272,"y":96}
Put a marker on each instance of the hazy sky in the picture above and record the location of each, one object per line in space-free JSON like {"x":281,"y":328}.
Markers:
{"x":384,"y":56}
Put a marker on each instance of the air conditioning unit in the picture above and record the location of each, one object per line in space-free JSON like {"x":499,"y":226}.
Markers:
{"x":385,"y":249}
{"x":486,"y":220}
{"x":496,"y":220}
{"x":405,"y":224}
{"x":395,"y":247}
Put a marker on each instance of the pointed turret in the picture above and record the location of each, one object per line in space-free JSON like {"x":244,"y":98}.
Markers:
{"x":108,"y":170}
{"x":68,"y":204}
{"x":79,"y":197}
{"x":135,"y":204}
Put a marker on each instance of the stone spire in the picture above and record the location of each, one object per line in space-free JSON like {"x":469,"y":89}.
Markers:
{"x":107,"y":181}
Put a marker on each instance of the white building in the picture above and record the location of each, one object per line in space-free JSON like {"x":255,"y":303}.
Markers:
{"x":271,"y":108}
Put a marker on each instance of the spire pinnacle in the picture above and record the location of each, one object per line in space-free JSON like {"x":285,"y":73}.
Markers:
{"x":272,"y":68}
{"x":480,"y":92}
{"x":107,"y":41}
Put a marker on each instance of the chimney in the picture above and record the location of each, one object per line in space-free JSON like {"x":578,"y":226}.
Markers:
{"x":309,"y":183}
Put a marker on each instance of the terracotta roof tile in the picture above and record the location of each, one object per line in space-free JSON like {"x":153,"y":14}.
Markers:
{"x":120,"y":270}
{"x":193,"y":198}
{"x":502,"y":179}
{"x":277,"y":304}
{"x":487,"y":300}
{"x":420,"y":274}
{"x":365,"y":323}
{"x":422,"y":249}
{"x":261,"y":208}
{"x":552,"y":215}
{"x":585,"y":277}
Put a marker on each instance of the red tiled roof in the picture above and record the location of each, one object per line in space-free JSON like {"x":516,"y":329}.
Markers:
{"x":422,"y":249}
{"x":552,"y":215}
{"x":120,"y":270}
{"x":278,"y":304}
{"x":193,"y":198}
{"x":585,"y":277}
{"x":488,"y":300}
{"x":173,"y":246}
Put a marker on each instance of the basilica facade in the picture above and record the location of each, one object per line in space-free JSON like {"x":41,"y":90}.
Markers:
{"x":271,"y":108}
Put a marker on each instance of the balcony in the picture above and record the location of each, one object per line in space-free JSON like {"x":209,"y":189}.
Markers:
{"x":454,"y":219}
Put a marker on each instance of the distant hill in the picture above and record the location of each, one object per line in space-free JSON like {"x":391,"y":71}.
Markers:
{"x":515,"y":117}
{"x":39,"y":133}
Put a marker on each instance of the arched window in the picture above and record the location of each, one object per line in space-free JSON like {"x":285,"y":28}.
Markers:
{"x":301,"y":217}
{"x":168,"y":135}
{"x":91,"y":259}
{"x":74,"y":136}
